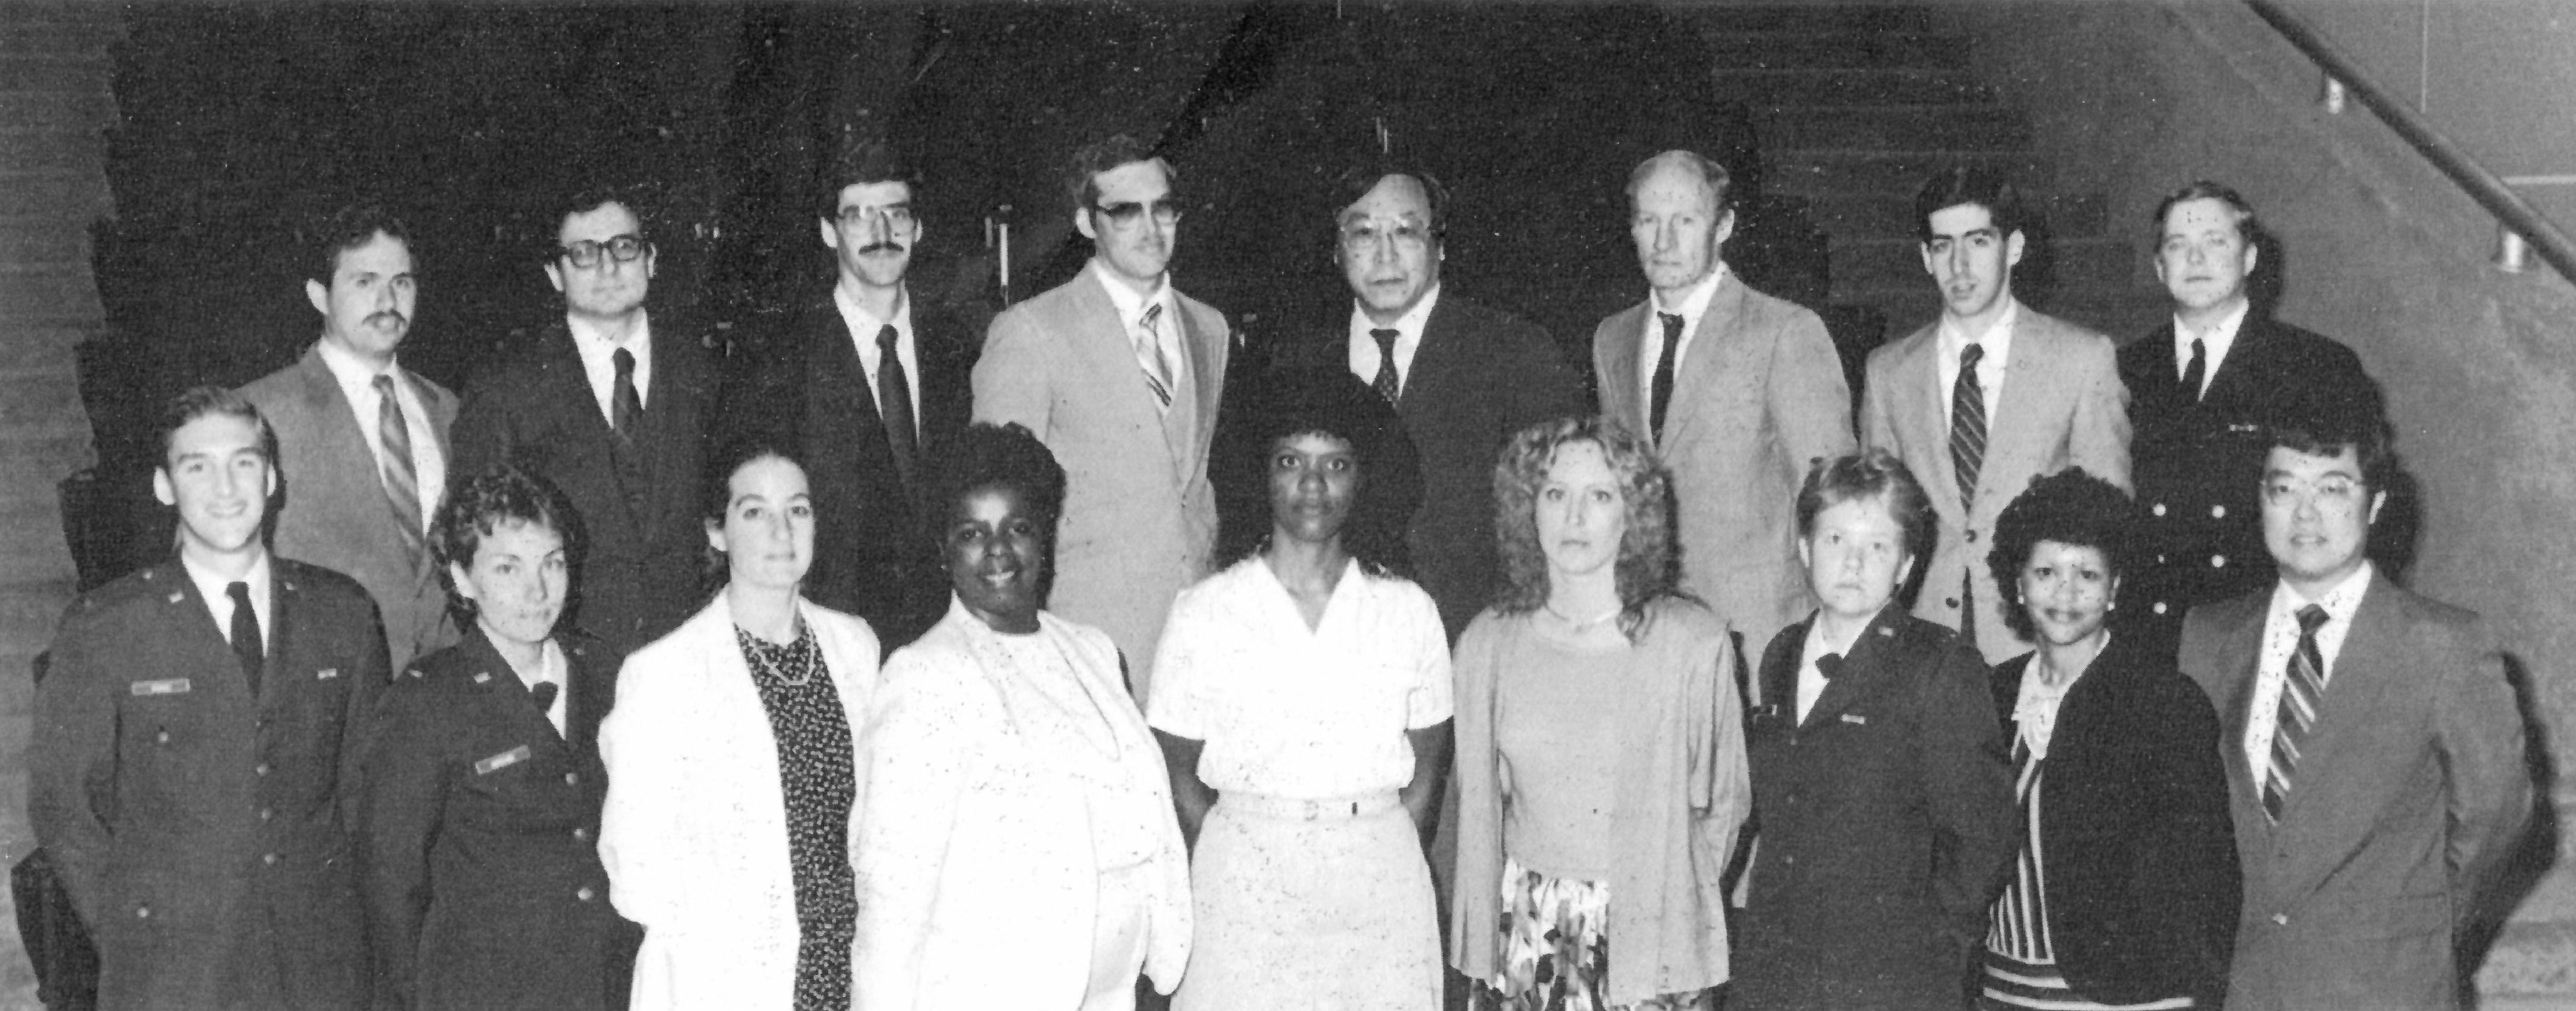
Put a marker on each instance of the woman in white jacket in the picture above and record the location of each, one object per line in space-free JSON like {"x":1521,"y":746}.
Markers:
{"x":732,"y":759}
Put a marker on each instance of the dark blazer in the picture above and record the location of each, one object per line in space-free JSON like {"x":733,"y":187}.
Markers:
{"x":479,"y":838}
{"x":2141,"y":860}
{"x":638,"y":502}
{"x":1884,"y":824}
{"x":2199,"y":464}
{"x":2410,"y":789}
{"x":875,"y":555}
{"x":201,"y":831}
{"x":1478,"y":377}
{"x":333,"y":512}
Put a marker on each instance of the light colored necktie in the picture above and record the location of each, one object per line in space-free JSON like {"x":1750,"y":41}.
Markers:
{"x":1150,"y":357}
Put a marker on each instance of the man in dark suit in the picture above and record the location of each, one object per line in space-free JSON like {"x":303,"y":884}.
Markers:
{"x":2374,"y":751}
{"x":195,"y":745}
{"x":2199,"y":390}
{"x":1463,"y":377}
{"x":867,"y":384}
{"x":608,"y":404}
{"x":362,"y":441}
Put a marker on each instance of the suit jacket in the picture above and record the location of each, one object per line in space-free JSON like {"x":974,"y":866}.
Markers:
{"x":1479,"y":376}
{"x":2062,"y":406}
{"x":1885,"y":822}
{"x":2142,"y":886}
{"x":1139,"y":514}
{"x":1758,"y":397}
{"x":334,"y":513}
{"x":478,"y":838}
{"x":201,"y":831}
{"x":2410,"y":788}
{"x":638,"y":500}
{"x":2199,"y":463}
{"x":875,"y":554}
{"x":694,"y":829}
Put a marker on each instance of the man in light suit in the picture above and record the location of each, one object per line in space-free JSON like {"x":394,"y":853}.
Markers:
{"x":867,"y":384}
{"x":2373,"y":747}
{"x":609,"y":404}
{"x":2199,"y":389}
{"x":1739,"y":391}
{"x":1463,"y":377}
{"x":2037,"y":395}
{"x":1119,"y":374}
{"x":195,"y":747}
{"x":362,"y":441}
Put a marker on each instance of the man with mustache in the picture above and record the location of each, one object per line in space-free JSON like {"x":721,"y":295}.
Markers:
{"x":865,"y":385}
{"x":608,"y":403}
{"x":1986,"y":398}
{"x":362,"y":441}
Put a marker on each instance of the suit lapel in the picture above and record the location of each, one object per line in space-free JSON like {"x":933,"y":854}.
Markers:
{"x":205,"y":643}
{"x":593,"y":687}
{"x":1868,"y":665}
{"x":2347,"y":714}
{"x":1099,"y":341}
{"x":1919,"y":393}
{"x":1621,"y":362}
{"x":2246,"y":641}
{"x":1428,"y":380}
{"x":2030,"y":383}
{"x":1703,"y":368}
{"x":2234,"y":379}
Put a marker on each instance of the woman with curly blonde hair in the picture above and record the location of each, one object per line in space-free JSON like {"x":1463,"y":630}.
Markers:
{"x":1601,"y":775}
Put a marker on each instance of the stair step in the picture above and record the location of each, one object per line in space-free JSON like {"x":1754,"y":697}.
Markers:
{"x":49,"y":71}
{"x":1891,"y":214}
{"x":47,"y":450}
{"x":1811,"y":18}
{"x":36,"y":243}
{"x":1878,"y":264}
{"x":1792,"y":87}
{"x":1943,"y":127}
{"x":64,"y":110}
{"x":1729,"y":50}
{"x":59,"y":29}
{"x":38,"y":397}
{"x":1823,"y":172}
{"x":60,"y":193}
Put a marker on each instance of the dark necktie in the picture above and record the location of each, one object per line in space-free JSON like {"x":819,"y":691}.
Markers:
{"x":626,"y":409}
{"x":1387,"y":384}
{"x":1968,"y":423}
{"x":544,"y":694}
{"x":2194,"y":373}
{"x":1662,"y":390}
{"x":894,"y":404}
{"x":245,"y":635}
{"x":402,"y":482}
{"x":1829,"y":666}
{"x":2302,"y":688}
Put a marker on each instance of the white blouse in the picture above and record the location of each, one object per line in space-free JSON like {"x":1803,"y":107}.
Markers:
{"x":1291,"y":712}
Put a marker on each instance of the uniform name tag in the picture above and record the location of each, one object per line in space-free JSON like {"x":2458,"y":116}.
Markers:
{"x":171,"y":686}
{"x":1855,"y":718}
{"x":502,"y":761}
{"x":326,"y":673}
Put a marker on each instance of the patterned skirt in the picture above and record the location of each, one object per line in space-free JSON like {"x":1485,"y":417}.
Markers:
{"x":1555,"y":948}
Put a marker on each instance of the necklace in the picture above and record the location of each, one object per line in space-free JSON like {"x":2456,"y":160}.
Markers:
{"x":760,"y":654}
{"x":1579,"y":624}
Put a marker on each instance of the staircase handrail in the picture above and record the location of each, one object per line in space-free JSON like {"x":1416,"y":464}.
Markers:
{"x":2490,"y":191}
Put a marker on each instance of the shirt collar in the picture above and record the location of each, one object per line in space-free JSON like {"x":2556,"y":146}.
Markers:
{"x":351,"y":372}
{"x":589,"y":332}
{"x":863,"y":324}
{"x":2214,"y":341}
{"x":1131,"y":306}
{"x":2339,"y":602}
{"x":1410,"y":324}
{"x":213,"y":587}
{"x":1997,"y":339}
{"x":1695,"y":303}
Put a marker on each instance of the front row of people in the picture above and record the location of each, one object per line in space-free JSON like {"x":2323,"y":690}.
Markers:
{"x":748,"y":813}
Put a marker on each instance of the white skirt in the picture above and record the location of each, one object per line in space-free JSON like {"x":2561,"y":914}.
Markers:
{"x":1311,"y":904}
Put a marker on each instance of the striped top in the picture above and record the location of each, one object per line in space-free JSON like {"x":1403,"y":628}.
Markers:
{"x":2021,"y":959}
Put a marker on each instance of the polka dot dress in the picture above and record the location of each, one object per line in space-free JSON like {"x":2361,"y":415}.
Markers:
{"x":814,"y":761}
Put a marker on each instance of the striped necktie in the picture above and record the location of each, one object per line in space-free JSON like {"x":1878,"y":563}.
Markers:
{"x":2302,"y":688}
{"x":402,"y":481}
{"x":1150,"y":357}
{"x":1968,"y":423}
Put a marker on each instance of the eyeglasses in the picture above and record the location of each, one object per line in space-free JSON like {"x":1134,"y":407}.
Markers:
{"x":624,"y":249}
{"x":1407,"y":233}
{"x":896,"y":215}
{"x":2337,"y":492}
{"x":1126,"y":214}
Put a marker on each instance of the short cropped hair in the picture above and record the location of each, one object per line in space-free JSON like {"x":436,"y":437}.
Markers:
{"x":201,"y":401}
{"x":1870,"y":473}
{"x":501,"y":495}
{"x":1356,"y":181}
{"x":1326,"y":401}
{"x":858,"y":163}
{"x":1970,"y":184}
{"x":2247,"y":226}
{"x":988,"y":456}
{"x":1081,"y":180}
{"x":1648,"y":566}
{"x":2070,"y":507}
{"x":2327,"y":429}
{"x":349,"y":228}
{"x":1711,"y":174}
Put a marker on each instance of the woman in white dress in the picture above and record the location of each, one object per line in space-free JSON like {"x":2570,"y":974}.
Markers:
{"x":1018,"y":849}
{"x":1302,"y":698}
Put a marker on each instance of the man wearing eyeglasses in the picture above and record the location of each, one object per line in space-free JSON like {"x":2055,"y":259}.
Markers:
{"x":1119,"y":375}
{"x":607,"y":403}
{"x":866,"y":384}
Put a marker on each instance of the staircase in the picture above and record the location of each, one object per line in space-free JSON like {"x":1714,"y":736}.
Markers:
{"x":1854,"y":105}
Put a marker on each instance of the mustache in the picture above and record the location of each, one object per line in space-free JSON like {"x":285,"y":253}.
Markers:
{"x":390,"y":314}
{"x":881,"y":247}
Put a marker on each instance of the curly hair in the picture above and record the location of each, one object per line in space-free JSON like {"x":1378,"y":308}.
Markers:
{"x":1318,"y":401}
{"x":501,"y":494}
{"x":988,"y":456}
{"x":2069,"y":507}
{"x":1649,"y":564}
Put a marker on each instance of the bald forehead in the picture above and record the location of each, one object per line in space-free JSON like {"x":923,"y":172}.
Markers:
{"x":1673,"y":170}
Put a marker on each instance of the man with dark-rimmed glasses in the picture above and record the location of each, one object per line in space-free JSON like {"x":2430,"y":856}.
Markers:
{"x":608,"y":403}
{"x":1119,"y":374}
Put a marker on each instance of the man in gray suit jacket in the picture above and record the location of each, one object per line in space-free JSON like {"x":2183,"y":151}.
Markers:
{"x":2036,"y":395}
{"x":1119,"y":375}
{"x":1738,"y":391}
{"x":362,"y":441}
{"x":2373,"y":748}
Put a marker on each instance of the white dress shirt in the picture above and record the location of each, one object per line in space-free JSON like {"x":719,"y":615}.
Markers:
{"x":358,"y":384}
{"x":1167,"y":329}
{"x":1997,"y":341}
{"x":2280,"y":640}
{"x":1693,"y":307}
{"x":1811,"y":681}
{"x":599,"y":360}
{"x":1408,"y":339}
{"x":551,"y":669}
{"x":213,"y":588}
{"x":863,"y":336}
{"x":2214,"y":343}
